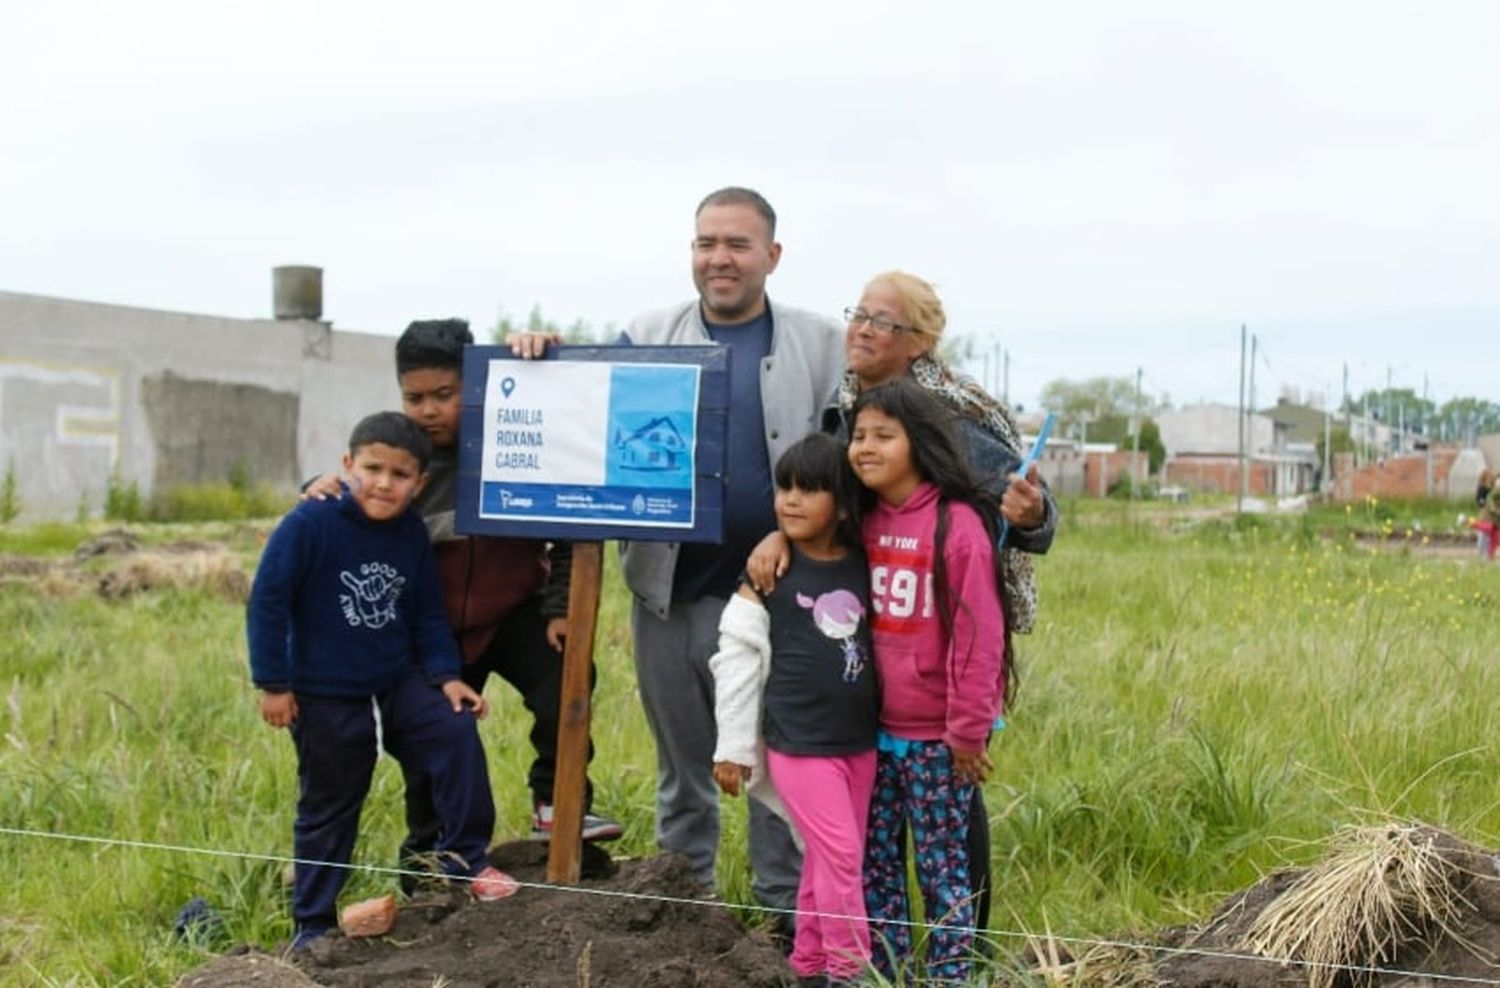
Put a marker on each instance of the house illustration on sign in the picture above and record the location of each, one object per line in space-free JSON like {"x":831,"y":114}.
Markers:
{"x":655,"y":446}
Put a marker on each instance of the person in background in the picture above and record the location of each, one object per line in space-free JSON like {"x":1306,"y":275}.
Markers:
{"x":1489,"y":517}
{"x":1481,"y":496}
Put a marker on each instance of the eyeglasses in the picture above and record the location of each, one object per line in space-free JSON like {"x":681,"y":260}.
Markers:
{"x":880,"y":324}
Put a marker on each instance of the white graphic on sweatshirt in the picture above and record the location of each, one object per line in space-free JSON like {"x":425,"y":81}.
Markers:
{"x":837,"y":615}
{"x":376,"y":590}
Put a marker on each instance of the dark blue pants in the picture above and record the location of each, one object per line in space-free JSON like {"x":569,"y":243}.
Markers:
{"x":336,"y":752}
{"x":520,"y":655}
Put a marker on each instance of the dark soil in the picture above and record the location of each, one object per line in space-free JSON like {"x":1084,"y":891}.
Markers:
{"x":621,"y":926}
{"x":642,"y":927}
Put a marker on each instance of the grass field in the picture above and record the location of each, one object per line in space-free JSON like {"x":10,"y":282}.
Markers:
{"x":1203,"y":701}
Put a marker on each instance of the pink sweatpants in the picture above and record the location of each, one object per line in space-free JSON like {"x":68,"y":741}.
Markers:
{"x":829,"y":800}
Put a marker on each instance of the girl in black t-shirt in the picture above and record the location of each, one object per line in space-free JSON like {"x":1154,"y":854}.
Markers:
{"x":794,"y":679}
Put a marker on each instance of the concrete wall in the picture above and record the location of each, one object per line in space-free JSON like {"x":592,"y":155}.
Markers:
{"x":1213,"y":430}
{"x":88,"y":390}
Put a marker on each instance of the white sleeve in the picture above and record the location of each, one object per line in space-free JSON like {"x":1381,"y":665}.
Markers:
{"x":739,"y":669}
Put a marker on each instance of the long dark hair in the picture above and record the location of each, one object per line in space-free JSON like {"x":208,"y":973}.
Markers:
{"x":819,"y":462}
{"x":938,"y":456}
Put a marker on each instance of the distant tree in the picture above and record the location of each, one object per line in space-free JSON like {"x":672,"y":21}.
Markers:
{"x":1342,"y":442}
{"x":1396,"y":405}
{"x":1095,"y":399}
{"x":576,"y":332}
{"x":1458,"y":418}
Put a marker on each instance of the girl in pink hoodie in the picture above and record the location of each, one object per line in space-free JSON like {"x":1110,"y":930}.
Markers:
{"x":940,"y":648}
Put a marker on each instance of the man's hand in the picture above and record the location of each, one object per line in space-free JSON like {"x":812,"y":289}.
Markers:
{"x":460,"y":695}
{"x":278,"y":709}
{"x":1023,"y":505}
{"x":731,"y":776}
{"x":972,"y":766}
{"x":768,"y":560}
{"x":322,"y":487}
{"x":530,"y":345}
{"x":557,"y":633}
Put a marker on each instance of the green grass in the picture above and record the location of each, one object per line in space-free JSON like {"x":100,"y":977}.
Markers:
{"x":1202,"y":702}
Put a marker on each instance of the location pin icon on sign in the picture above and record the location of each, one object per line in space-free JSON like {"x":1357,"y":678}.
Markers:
{"x":507,"y":385}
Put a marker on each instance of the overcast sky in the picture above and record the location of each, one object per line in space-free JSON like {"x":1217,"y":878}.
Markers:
{"x":1095,"y":187}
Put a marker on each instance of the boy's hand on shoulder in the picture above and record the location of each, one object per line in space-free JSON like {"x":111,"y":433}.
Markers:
{"x":322,"y":487}
{"x":557,"y":633}
{"x":731,"y":776}
{"x":461,"y":695}
{"x":278,"y":709}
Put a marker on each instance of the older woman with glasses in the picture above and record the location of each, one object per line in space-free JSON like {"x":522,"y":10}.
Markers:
{"x":895,"y":330}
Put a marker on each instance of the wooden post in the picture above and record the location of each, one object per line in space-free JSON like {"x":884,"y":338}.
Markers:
{"x":566,"y":849}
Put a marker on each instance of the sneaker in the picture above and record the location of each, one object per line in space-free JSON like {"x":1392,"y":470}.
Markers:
{"x":595,"y":828}
{"x":492,"y":884}
{"x":304,"y":938}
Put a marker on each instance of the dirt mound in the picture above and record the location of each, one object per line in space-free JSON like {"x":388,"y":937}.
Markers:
{"x":640,"y":926}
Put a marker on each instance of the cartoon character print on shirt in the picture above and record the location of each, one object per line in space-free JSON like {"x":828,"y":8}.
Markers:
{"x":837,"y":615}
{"x":375,"y":593}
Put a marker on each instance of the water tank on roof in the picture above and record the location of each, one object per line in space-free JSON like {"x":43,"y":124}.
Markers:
{"x":297,"y":292}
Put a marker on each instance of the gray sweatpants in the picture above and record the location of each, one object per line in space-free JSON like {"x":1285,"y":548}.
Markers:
{"x":677,"y":691}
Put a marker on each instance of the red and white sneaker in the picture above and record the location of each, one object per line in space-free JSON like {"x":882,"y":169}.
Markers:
{"x":492,"y":884}
{"x":595,"y":828}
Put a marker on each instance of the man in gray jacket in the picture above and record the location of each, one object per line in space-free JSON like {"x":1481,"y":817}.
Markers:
{"x":784,"y":368}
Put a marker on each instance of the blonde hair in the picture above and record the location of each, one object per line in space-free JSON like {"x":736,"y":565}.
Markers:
{"x":1487,"y":477}
{"x":921,"y":309}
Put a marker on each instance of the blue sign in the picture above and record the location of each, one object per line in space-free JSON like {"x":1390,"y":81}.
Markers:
{"x":594,"y":443}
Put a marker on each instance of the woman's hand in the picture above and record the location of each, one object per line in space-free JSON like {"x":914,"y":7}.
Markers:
{"x":972,"y":766}
{"x":768,"y":560}
{"x":1023,"y":504}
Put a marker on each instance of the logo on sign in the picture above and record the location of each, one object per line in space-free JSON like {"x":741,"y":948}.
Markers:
{"x":509,"y":500}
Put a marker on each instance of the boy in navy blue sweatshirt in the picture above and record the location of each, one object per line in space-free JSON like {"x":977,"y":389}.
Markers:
{"x":346,"y":616}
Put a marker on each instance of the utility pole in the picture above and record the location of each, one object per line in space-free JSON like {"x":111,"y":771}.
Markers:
{"x":1005,"y":395}
{"x":1327,"y":484}
{"x":1239,"y":503}
{"x":1135,"y":437}
{"x":1250,"y":413}
{"x":1389,"y":419}
{"x":1366,"y":433}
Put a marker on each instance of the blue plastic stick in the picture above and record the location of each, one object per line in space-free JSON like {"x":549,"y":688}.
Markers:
{"x":1031,"y":457}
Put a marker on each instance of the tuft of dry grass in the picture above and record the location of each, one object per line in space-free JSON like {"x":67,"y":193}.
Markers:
{"x":1377,"y":890}
{"x":213,"y":569}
